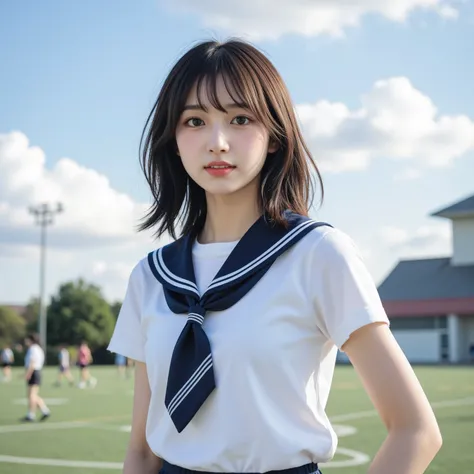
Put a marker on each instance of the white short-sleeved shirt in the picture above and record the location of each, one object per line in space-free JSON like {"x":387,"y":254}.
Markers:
{"x":63,"y":357}
{"x":34,"y":355}
{"x":7,"y":356}
{"x":274,"y":354}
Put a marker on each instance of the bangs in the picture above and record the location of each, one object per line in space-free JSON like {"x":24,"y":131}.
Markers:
{"x":242,"y":81}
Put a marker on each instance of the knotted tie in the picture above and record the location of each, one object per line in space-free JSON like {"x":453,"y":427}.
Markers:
{"x":191,"y":375}
{"x":192,"y":355}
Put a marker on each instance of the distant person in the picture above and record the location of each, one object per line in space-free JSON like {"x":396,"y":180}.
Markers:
{"x":7,"y":358}
{"x":130,"y":366}
{"x":64,"y":366}
{"x":121,"y":364}
{"x":471,"y":352}
{"x":235,"y":325}
{"x":34,"y":361}
{"x":84,"y":360}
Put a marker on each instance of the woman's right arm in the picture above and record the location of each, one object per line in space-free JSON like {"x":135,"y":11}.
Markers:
{"x":139,"y":458}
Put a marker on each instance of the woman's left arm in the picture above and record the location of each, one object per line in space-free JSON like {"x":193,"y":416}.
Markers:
{"x":29,"y":369}
{"x":413,"y":437}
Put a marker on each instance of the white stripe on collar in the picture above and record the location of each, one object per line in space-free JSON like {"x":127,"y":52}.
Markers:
{"x":261,"y":258}
{"x":170,"y":277}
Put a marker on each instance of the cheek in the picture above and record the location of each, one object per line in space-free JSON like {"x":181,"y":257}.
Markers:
{"x":186,"y":141}
{"x":255,"y":145}
{"x":188,"y":148}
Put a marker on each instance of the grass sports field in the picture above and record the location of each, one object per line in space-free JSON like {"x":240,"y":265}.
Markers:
{"x":88,"y":429}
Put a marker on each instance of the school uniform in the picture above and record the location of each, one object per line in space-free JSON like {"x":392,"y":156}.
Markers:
{"x":7,"y":357}
{"x":83,"y":358}
{"x":120,"y":360}
{"x":64,"y":360}
{"x":271,"y":310}
{"x":34,"y":355}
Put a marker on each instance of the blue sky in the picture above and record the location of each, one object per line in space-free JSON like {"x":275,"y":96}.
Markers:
{"x":79,"y":78}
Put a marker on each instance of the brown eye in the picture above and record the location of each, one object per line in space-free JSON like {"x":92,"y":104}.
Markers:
{"x":241,"y":120}
{"x":194,"y":122}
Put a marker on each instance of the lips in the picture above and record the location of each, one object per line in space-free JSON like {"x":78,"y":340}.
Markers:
{"x":219,"y":165}
{"x":219,"y":169}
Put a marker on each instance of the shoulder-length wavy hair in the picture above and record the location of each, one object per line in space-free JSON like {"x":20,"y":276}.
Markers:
{"x":251,"y":79}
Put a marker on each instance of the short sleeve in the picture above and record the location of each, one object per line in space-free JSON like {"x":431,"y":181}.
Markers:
{"x":35,"y":357}
{"x":346,"y":296}
{"x":127,"y":338}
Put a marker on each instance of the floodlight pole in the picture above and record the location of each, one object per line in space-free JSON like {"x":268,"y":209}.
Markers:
{"x":44,"y":216}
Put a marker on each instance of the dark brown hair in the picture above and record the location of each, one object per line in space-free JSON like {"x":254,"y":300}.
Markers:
{"x":251,"y":79}
{"x":34,"y":338}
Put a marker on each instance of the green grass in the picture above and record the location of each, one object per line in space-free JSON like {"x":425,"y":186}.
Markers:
{"x":107,"y":408}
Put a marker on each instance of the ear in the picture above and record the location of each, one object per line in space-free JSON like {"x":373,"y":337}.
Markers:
{"x":173,"y":147}
{"x":272,"y":146}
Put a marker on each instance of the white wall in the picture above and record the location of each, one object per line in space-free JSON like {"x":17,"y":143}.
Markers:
{"x":419,"y":345}
{"x":466,"y":337}
{"x":424,"y":346}
{"x":463,"y":241}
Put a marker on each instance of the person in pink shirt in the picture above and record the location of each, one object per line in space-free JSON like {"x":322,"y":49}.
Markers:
{"x":84,"y":360}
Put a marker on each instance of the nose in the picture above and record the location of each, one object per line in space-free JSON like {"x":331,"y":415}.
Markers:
{"x":218,"y":141}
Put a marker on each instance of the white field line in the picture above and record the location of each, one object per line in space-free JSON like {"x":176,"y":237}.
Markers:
{"x":61,"y":462}
{"x":343,"y":417}
{"x":368,"y":413}
{"x":357,"y":457}
{"x":58,"y":425}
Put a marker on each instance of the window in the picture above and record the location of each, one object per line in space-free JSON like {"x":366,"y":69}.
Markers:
{"x":444,"y":346}
{"x":442,"y":322}
{"x":415,"y":322}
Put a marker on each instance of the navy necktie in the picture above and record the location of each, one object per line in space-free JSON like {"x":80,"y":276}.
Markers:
{"x":191,"y":375}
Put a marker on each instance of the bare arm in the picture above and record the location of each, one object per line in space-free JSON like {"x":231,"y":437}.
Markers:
{"x":139,"y":458}
{"x":29,"y":370}
{"x":413,"y":434}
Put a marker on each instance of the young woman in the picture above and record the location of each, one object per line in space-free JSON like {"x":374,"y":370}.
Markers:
{"x":64,"y":366}
{"x":7,"y":357}
{"x":235,"y":326}
{"x":122,"y":365}
{"x":34,"y":361}
{"x":84,"y":360}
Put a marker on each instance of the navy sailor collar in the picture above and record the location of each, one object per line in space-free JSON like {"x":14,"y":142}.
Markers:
{"x":172,"y":265}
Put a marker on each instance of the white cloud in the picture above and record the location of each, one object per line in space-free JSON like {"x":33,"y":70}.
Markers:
{"x":270,"y":19}
{"x":395,"y":121}
{"x":111,"y":276}
{"x":387,"y":245}
{"x":109,"y":270}
{"x":11,"y":251}
{"x":427,"y":240}
{"x":95,"y":213}
{"x":94,"y":238}
{"x":407,"y":174}
{"x":448,"y":12}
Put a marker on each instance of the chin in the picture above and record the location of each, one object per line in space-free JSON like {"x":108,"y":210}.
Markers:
{"x":223,"y":189}
{"x":226,"y":186}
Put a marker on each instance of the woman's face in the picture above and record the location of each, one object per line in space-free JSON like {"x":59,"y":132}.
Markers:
{"x":223,"y":152}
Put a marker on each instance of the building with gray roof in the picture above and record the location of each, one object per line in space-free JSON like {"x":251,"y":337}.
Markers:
{"x":430,"y":302}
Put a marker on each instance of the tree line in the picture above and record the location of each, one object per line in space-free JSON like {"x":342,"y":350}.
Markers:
{"x":77,"y":312}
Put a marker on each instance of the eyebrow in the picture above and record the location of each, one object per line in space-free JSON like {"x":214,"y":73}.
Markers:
{"x":232,"y":105}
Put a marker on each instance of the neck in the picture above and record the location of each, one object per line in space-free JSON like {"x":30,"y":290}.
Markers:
{"x":229,"y":217}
